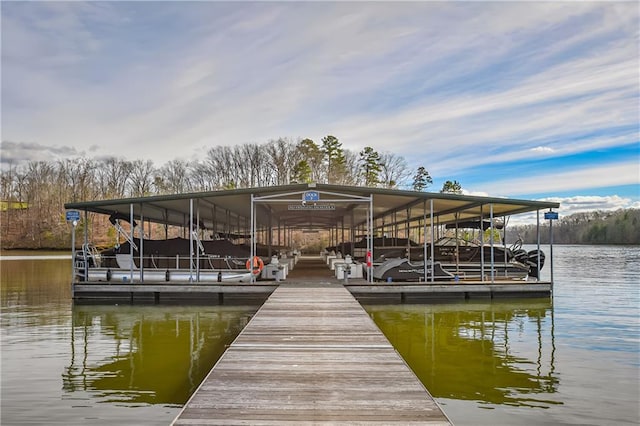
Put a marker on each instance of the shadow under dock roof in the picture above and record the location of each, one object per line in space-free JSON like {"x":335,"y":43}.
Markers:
{"x":329,"y":206}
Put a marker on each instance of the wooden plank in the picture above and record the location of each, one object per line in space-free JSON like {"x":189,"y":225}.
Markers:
{"x":311,"y":355}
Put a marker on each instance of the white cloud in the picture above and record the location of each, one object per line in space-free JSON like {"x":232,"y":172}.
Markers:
{"x":579,"y":204}
{"x":623,"y":173}
{"x":474,"y":193}
{"x":544,"y":108}
{"x":16,"y":154}
{"x":543,"y":150}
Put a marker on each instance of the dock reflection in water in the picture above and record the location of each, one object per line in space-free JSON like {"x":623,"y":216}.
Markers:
{"x":499,"y":353}
{"x":147,"y":354}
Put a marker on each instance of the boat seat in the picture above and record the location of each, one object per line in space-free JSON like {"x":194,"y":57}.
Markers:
{"x":125,"y":262}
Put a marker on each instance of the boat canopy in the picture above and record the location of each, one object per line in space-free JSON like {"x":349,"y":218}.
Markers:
{"x":332,"y":207}
{"x":475,"y":224}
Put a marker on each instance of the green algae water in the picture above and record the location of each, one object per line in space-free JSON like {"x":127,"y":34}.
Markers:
{"x":571,"y":360}
{"x":476,"y":348}
{"x":100,"y":364}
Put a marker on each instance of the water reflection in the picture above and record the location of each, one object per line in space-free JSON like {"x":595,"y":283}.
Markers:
{"x":494,"y":353}
{"x":147,"y":354}
{"x":28,"y":282}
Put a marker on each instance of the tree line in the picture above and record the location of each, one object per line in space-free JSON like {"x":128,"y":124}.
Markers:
{"x":33,"y":195}
{"x":595,"y":227}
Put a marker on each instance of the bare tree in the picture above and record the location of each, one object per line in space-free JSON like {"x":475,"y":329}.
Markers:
{"x":282,"y":155}
{"x":241,"y":170}
{"x":393,"y":170}
{"x":141,"y":179}
{"x":39,"y":187}
{"x":113,"y":176}
{"x":219,"y":169}
{"x":8,"y":184}
{"x":348,"y":173}
{"x":174,"y":177}
{"x":77,"y":179}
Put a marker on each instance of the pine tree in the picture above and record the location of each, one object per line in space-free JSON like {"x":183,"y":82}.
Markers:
{"x":451,"y":187}
{"x":370,"y":166}
{"x":301,"y":173}
{"x":313,"y":155}
{"x":421,"y":179}
{"x":334,"y":158}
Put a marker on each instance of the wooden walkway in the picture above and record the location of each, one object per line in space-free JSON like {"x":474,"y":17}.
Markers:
{"x":311,"y":355}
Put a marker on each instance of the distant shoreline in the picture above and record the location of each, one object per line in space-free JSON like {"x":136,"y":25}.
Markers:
{"x":34,"y":254}
{"x":36,"y":257}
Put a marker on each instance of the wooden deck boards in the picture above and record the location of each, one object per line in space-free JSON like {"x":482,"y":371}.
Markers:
{"x":311,"y":355}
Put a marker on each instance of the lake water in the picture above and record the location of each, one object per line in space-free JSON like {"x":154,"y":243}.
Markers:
{"x":574,"y":360}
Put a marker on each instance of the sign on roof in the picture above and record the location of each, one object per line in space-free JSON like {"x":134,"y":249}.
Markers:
{"x":311,"y":196}
{"x":311,"y":207}
{"x":551,"y":215}
{"x":73,"y":215}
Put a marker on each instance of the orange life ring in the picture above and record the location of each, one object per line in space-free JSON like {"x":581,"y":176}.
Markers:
{"x":257,"y":266}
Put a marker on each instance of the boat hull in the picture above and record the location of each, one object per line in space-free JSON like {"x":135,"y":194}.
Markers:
{"x":476,"y":271}
{"x":403,"y":270}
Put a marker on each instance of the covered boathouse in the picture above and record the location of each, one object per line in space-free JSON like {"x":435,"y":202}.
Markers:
{"x":382,"y":242}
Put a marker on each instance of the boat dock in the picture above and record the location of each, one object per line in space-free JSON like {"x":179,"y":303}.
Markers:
{"x":310,"y":269}
{"x":310,"y":355}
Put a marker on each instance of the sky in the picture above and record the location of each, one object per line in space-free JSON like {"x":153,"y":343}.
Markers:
{"x":531,"y":100}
